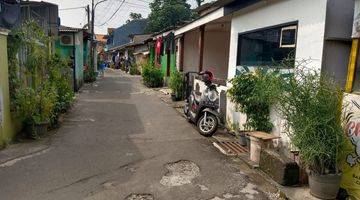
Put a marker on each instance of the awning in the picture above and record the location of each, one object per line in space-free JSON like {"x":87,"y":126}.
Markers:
{"x":217,"y":14}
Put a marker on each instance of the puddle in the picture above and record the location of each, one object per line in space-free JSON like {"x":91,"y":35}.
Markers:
{"x":180,"y":173}
{"x":140,"y":197}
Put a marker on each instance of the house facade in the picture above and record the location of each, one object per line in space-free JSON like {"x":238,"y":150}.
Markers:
{"x":12,"y":14}
{"x":235,"y":35}
{"x":7,"y":129}
{"x":319,"y":34}
{"x":9,"y":17}
{"x":70,"y":46}
{"x":253,"y":33}
{"x":163,"y":52}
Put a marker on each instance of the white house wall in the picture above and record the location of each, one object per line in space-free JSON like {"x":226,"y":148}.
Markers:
{"x":310,"y":15}
{"x":191,"y":52}
{"x":216,"y":52}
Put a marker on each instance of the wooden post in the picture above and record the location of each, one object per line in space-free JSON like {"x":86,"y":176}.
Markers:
{"x":352,"y":65}
{"x":201,"y":47}
{"x":181,"y":49}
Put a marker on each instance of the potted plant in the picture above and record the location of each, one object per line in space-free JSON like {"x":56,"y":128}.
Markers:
{"x":176,"y":85}
{"x":312,"y":108}
{"x":254,"y":93}
{"x":45,"y":101}
{"x":35,"y":109}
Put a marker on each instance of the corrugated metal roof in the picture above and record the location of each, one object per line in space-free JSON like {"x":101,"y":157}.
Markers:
{"x":37,"y":3}
{"x":69,"y":29}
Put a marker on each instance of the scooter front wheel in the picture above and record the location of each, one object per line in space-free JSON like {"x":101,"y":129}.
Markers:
{"x":207,"y":124}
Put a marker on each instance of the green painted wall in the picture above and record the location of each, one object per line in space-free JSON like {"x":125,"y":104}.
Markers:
{"x":67,"y":51}
{"x":173,"y":62}
{"x":164,"y":60}
{"x":86,"y":53}
{"x":7,"y":125}
{"x":79,"y":58}
{"x":164,"y":63}
{"x":64,"y":51}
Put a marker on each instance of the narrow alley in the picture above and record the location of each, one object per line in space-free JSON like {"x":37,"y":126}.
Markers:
{"x":120,"y":141}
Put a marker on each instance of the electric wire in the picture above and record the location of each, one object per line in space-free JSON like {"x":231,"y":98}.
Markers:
{"x":112,"y":16}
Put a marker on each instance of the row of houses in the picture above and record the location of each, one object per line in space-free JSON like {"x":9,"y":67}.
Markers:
{"x":71,"y":43}
{"x":231,"y":35}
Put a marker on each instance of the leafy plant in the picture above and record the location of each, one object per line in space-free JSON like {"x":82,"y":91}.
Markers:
{"x":176,"y":84}
{"x":312,"y":108}
{"x":25,"y":104}
{"x":152,"y":76}
{"x":89,"y":75}
{"x":59,"y":78}
{"x":35,"y":106}
{"x":134,"y":70}
{"x":253,"y":94}
{"x":39,"y":89}
{"x":45,"y":100}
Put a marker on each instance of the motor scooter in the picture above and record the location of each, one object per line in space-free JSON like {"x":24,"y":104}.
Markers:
{"x":202,"y":109}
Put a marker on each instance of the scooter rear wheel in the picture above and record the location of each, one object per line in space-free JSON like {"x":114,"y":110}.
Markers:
{"x":207,"y":127}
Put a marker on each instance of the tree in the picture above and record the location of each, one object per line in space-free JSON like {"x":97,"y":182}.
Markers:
{"x":134,"y":16}
{"x":168,"y":13}
{"x":199,"y":2}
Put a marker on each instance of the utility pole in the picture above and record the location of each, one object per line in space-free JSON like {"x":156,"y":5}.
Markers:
{"x":92,"y":45}
{"x":88,"y":15}
{"x":92,"y":63}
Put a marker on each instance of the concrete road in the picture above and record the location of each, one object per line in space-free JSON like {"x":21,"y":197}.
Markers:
{"x":120,"y":141}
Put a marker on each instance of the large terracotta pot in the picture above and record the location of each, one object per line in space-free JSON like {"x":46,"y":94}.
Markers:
{"x":324,"y":186}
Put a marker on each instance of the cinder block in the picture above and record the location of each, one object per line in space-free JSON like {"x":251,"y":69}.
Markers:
{"x":280,"y":168}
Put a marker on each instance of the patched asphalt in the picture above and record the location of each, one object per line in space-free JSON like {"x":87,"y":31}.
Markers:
{"x":120,"y":141}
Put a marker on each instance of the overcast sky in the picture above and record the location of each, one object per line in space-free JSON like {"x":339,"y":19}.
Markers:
{"x":78,"y":17}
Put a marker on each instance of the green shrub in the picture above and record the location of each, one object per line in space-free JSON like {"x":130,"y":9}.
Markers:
{"x":89,"y":75}
{"x":43,"y":90}
{"x":59,"y":78}
{"x":312,"y":108}
{"x":253,"y":94}
{"x":152,"y":76}
{"x":176,"y":84}
{"x":35,"y":106}
{"x":134,"y":70}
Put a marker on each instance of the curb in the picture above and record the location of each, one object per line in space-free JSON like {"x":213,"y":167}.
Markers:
{"x":43,"y":146}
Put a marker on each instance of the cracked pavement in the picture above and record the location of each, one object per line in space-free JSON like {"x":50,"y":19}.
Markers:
{"x":118,"y":142}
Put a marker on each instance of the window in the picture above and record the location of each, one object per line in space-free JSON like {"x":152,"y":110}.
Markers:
{"x":267,"y":47}
{"x":288,"y":37}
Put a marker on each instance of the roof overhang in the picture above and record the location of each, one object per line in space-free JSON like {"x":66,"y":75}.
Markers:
{"x":217,"y":14}
{"x":162,"y":34}
{"x":226,"y":8}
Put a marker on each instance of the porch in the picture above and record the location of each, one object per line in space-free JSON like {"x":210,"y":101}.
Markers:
{"x":205,"y":47}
